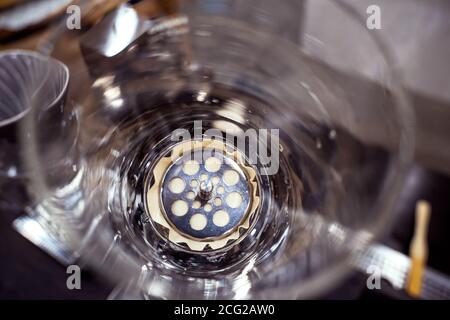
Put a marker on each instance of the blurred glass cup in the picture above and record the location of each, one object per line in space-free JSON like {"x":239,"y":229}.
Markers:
{"x":34,"y":122}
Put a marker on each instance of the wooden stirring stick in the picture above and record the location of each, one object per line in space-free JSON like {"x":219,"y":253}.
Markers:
{"x":419,"y":249}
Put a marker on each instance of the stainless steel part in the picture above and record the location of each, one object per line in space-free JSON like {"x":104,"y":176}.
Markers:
{"x":104,"y":44}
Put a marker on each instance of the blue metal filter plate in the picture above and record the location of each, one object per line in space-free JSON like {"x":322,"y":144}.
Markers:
{"x":205,"y":195}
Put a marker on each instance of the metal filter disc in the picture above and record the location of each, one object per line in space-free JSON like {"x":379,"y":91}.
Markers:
{"x":203,"y":194}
